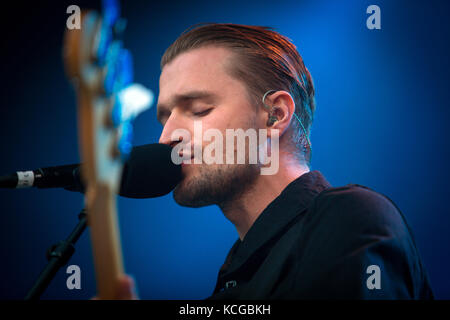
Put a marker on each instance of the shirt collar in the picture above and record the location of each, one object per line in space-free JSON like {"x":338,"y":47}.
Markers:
{"x":291,"y":202}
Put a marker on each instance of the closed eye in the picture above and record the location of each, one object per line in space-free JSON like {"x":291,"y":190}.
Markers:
{"x":202,"y":113}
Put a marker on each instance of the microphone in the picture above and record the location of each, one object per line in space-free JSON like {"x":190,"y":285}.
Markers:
{"x":149,"y":172}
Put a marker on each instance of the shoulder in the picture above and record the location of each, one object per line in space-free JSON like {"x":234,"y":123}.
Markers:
{"x":355,"y":196}
{"x":357,"y":209}
{"x":346,"y":230}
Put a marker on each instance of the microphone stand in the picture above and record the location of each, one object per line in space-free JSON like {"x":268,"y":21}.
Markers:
{"x":57,"y":255}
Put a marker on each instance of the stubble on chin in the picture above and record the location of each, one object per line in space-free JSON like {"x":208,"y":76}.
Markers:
{"x":215,"y":184}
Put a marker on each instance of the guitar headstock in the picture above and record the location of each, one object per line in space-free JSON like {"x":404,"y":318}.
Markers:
{"x":101,"y":70}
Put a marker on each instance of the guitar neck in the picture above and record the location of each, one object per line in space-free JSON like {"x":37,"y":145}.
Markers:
{"x":101,"y":68}
{"x":104,"y":232}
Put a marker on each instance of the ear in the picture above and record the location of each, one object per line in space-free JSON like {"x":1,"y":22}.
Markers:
{"x":282,"y":108}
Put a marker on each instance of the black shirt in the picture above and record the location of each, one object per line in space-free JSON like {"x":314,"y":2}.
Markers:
{"x":318,"y":242}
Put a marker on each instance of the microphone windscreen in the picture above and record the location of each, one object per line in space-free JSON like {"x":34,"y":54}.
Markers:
{"x":149,"y":172}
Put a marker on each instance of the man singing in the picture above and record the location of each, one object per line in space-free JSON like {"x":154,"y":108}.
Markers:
{"x":299,"y":237}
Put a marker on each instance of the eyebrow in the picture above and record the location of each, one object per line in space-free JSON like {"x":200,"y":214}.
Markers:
{"x":183,"y":98}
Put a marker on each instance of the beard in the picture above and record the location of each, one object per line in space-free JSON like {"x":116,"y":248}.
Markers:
{"x":215,"y":184}
{"x":219,"y":184}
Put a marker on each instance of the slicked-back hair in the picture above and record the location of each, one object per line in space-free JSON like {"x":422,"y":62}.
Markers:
{"x":263,"y":60}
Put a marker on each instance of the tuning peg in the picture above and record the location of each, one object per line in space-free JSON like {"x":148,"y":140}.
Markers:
{"x":119,"y":69}
{"x":126,"y":138}
{"x":123,"y":142}
{"x":113,"y":113}
{"x":116,"y":114}
{"x":104,"y":38}
{"x":110,"y":68}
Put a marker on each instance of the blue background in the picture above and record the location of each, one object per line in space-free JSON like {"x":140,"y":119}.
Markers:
{"x":381,"y":121}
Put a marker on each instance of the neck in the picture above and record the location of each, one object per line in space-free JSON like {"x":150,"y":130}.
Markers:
{"x":245,"y":208}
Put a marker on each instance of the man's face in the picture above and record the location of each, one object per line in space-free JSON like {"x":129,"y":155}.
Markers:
{"x":195,"y":86}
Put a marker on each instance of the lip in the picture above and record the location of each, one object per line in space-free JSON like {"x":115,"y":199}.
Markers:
{"x":186,"y":164}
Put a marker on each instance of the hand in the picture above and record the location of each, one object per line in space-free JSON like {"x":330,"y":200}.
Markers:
{"x":126,"y":289}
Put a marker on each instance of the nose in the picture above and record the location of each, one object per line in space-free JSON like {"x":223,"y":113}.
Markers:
{"x":170,"y":126}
